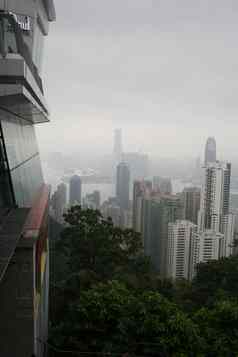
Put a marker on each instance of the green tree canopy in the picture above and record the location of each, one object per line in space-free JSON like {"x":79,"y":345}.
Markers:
{"x":216,"y":279}
{"x":107,"y":298}
{"x":219,"y":328}
{"x":113,"y":318}
{"x":91,"y":243}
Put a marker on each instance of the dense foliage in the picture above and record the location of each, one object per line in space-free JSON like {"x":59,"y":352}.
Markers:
{"x":106,"y":298}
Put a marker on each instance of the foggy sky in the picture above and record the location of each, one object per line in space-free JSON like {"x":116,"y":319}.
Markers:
{"x":164,"y":71}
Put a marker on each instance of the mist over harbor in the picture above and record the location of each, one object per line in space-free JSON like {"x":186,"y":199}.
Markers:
{"x":165,"y":72}
{"x":119,"y":200}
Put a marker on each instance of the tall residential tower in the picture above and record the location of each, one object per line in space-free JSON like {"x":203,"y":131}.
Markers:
{"x":215,"y":196}
{"x":181,"y":235}
{"x":215,"y":223}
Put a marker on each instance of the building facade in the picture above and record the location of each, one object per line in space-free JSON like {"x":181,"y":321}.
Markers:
{"x":181,"y":249}
{"x":157,"y":212}
{"x":191,"y":203}
{"x":215,"y":223}
{"x":209,"y":245}
{"x":215,"y":197}
{"x":24,"y":198}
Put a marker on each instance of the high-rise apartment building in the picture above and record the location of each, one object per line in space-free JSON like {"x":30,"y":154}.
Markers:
{"x":181,"y":235}
{"x":123,"y":186}
{"x":24,"y":198}
{"x":210,"y":151}
{"x":215,"y":197}
{"x":75,"y":190}
{"x":209,"y":245}
{"x":157,"y":212}
{"x":141,"y":189}
{"x":191,"y":203}
{"x":215,"y":223}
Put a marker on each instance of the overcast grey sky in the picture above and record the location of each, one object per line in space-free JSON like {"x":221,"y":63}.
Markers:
{"x":165,"y":71}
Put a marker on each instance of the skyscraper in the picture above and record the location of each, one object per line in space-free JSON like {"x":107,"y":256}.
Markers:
{"x":180,"y":249}
{"x":75,"y":190}
{"x":215,"y":196}
{"x":123,"y":186}
{"x":24,"y":198}
{"x":215,"y":223}
{"x":191,"y":203}
{"x":210,"y":151}
{"x":117,"y":150}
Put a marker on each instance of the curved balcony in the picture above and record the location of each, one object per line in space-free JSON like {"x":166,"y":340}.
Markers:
{"x":21,"y":90}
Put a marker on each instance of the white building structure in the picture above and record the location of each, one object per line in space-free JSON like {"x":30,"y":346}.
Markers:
{"x":215,"y":223}
{"x":215,"y":196}
{"x":210,"y":244}
{"x":181,"y":238}
{"x":212,"y":239}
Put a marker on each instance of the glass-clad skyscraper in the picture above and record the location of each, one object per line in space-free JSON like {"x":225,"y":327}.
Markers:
{"x":24,"y":197}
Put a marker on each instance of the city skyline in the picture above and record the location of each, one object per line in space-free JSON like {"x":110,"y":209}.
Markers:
{"x":122,"y":238}
{"x":178,"y":230}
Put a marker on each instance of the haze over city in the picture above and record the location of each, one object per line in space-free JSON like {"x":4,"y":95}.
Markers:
{"x":163,"y":71}
{"x":119,"y":218}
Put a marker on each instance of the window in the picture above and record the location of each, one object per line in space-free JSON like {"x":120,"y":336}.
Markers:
{"x":8,"y":43}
